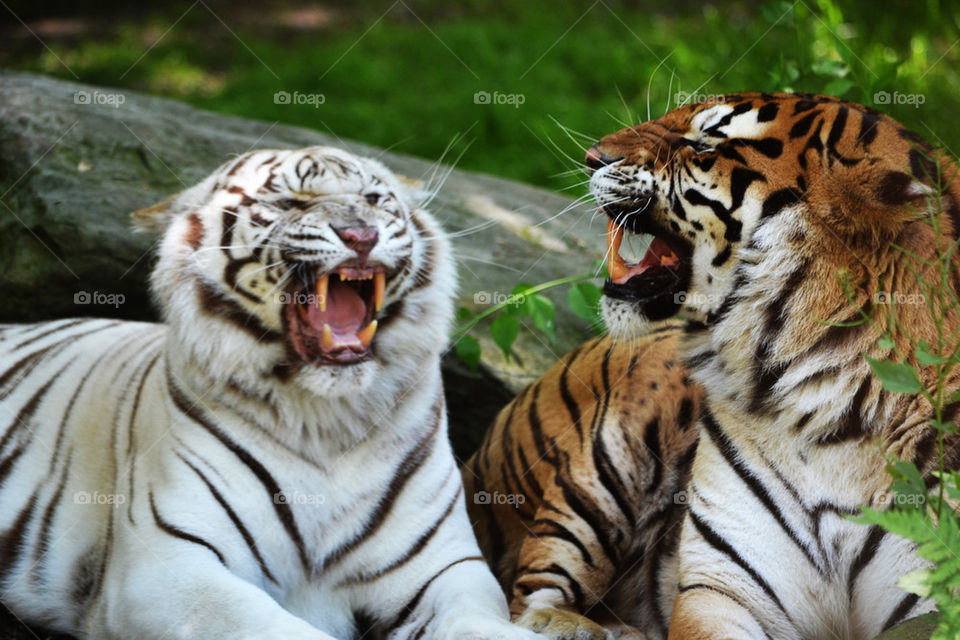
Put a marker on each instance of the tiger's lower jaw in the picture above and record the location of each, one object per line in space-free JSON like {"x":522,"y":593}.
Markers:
{"x":622,"y":319}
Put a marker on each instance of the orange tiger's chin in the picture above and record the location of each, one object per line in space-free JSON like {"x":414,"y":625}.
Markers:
{"x":333,"y":321}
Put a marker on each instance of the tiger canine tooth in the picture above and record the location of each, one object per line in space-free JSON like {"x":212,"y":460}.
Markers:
{"x":322,"y":286}
{"x":379,"y":286}
{"x":366,"y":334}
{"x":615,"y":264}
{"x":327,"y":337}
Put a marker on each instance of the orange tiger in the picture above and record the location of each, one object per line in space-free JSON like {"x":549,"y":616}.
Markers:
{"x":766,"y":213}
{"x":581,"y":477}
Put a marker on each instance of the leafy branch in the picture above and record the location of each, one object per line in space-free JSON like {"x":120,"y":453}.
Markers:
{"x":526,"y":301}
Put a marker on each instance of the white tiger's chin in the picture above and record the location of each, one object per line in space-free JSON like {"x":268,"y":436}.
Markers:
{"x":622,"y":319}
{"x":338,"y":381}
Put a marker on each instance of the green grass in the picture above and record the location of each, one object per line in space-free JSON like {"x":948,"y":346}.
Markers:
{"x":408,"y":84}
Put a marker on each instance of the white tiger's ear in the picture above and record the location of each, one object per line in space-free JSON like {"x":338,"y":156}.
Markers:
{"x":155,"y":218}
{"x":416,"y":188}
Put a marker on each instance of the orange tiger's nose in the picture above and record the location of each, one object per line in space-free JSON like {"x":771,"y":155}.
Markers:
{"x":597,"y":159}
{"x":361,"y":239}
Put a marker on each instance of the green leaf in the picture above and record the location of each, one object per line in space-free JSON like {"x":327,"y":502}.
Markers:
{"x":542,"y":311}
{"x":835,"y":68}
{"x":600,"y":268}
{"x":908,"y":484}
{"x":468,"y":349}
{"x":838,"y":87}
{"x":947,"y":427}
{"x":584,"y":300}
{"x":463,"y":314}
{"x":925,"y":357}
{"x":504,"y":331}
{"x":952,"y":485}
{"x":520,"y":306}
{"x":896,"y":376}
{"x":886,"y":343}
{"x":778,"y":12}
{"x":916,"y":582}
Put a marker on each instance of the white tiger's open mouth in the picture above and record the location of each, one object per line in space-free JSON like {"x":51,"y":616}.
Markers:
{"x":332,"y":320}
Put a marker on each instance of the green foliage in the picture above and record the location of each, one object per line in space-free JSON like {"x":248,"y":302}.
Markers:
{"x":584,"y":300}
{"x":468,"y":348}
{"x":526,"y":307}
{"x":896,"y":377}
{"x":937,"y":539}
{"x":393,"y":81}
{"x":505,"y":329}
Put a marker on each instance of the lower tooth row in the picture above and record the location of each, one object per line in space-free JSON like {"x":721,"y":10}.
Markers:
{"x":365,"y":335}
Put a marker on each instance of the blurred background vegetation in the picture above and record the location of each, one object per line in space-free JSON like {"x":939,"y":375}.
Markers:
{"x":406,"y":75}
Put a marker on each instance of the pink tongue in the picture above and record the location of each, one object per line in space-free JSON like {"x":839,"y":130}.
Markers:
{"x":650,"y":259}
{"x":345,"y":310}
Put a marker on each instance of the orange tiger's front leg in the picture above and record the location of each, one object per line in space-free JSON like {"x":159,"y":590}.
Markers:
{"x":562,"y":570}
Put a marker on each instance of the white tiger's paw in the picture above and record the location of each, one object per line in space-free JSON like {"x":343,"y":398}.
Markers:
{"x":627,"y":633}
{"x":486,"y":628}
{"x":560,"y":624}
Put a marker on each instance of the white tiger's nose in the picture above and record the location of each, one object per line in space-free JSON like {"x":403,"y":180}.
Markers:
{"x":360,"y":238}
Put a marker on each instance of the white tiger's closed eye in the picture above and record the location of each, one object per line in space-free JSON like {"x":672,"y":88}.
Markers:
{"x":289,"y":203}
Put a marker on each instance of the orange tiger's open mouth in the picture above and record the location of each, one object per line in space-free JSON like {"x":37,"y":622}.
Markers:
{"x":332,"y":321}
{"x":656,"y":281}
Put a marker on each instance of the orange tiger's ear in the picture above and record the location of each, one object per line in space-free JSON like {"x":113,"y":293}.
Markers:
{"x":870,"y":199}
{"x":896,"y":188}
{"x":156,"y":218}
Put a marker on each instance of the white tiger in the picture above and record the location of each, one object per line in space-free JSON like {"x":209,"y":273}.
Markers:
{"x":272,"y":461}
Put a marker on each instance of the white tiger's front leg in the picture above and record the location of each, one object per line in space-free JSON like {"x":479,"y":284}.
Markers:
{"x":462,"y":601}
{"x":190,"y":596}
